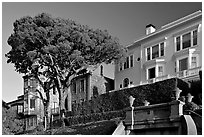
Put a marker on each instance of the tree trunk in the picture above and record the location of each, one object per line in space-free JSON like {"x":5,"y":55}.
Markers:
{"x":45,"y":116}
{"x":61,"y":101}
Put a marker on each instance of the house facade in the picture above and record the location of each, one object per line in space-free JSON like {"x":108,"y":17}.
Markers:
{"x":33,"y":107}
{"x":84,"y":86}
{"x":93,"y":82}
{"x":174,"y":50}
{"x":17,"y":105}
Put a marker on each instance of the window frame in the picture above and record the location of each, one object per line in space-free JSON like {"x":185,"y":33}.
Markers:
{"x":149,"y":49}
{"x":82,"y":83}
{"x":125,"y":65}
{"x":124,"y":82}
{"x":180,"y":36}
{"x":32,"y":100}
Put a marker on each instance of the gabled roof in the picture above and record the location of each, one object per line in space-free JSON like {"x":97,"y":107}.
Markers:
{"x":169,"y":26}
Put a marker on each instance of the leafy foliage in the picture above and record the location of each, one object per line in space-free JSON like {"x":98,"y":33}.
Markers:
{"x":159,"y":92}
{"x":11,"y":124}
{"x":58,"y":48}
{"x":72,"y":45}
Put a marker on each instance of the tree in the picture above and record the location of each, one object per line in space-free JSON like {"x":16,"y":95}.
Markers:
{"x":61,"y":46}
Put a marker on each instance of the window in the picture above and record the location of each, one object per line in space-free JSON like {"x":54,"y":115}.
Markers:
{"x":54,"y":90}
{"x":31,"y":121}
{"x":101,"y":70}
{"x":32,"y":103}
{"x":160,"y":71}
{"x":127,"y":61}
{"x":74,"y":87}
{"x":195,"y":37}
{"x":155,"y":51}
{"x":82,"y":85}
{"x":131,"y":61}
{"x":121,"y":86}
{"x":186,"y":40}
{"x":178,"y":43}
{"x":162,"y":49}
{"x":183,"y":64}
{"x":151,"y":73}
{"x":193,"y":62}
{"x":148,"y":53}
{"x":125,"y":82}
{"x":120,"y":66}
{"x":20,"y":108}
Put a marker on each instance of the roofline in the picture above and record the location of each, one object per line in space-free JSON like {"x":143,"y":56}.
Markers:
{"x":169,"y":26}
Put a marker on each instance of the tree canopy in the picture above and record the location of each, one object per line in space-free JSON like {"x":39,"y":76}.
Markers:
{"x":71,"y":45}
{"x":57,"y":48}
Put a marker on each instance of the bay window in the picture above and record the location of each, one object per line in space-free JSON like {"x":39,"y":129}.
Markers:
{"x":186,"y":40}
{"x":155,"y":51}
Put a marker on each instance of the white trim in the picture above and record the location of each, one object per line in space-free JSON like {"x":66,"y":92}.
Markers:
{"x":180,"y":58}
{"x":181,"y":39}
{"x":166,"y":27}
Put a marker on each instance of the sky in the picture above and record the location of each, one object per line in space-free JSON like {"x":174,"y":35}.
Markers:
{"x":124,"y":20}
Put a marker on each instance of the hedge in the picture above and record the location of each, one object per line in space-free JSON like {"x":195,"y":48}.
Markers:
{"x":159,"y":92}
{"x":82,"y":119}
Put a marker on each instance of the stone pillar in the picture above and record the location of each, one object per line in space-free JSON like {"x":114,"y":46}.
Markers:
{"x":176,"y":109}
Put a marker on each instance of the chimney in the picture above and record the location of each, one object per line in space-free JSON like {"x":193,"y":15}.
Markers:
{"x":150,"y":29}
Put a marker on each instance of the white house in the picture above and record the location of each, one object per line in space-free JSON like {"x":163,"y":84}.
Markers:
{"x":174,"y":50}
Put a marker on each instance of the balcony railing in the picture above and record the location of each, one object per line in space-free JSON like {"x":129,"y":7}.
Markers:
{"x":160,"y":78}
{"x":189,"y":72}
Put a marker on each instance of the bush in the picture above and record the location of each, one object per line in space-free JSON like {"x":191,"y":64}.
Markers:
{"x":82,"y":119}
{"x":11,"y":123}
{"x":159,"y":92}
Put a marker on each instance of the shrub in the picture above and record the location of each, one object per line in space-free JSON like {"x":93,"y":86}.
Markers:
{"x":159,"y":92}
{"x":81,"y":119}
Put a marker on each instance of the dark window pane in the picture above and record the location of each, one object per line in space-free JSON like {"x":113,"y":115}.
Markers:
{"x":151,"y":73}
{"x":183,"y":64}
{"x":127,"y":60}
{"x":82,"y":85}
{"x":162,"y":49}
{"x":186,"y":40}
{"x":32,"y":103}
{"x":155,"y":51}
{"x":121,"y":66}
{"x":74,"y":87}
{"x":195,"y":37}
{"x":125,"y":82}
{"x":148,"y":53}
{"x":125,"y":65}
{"x":131,"y":61}
{"x":178,"y":44}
